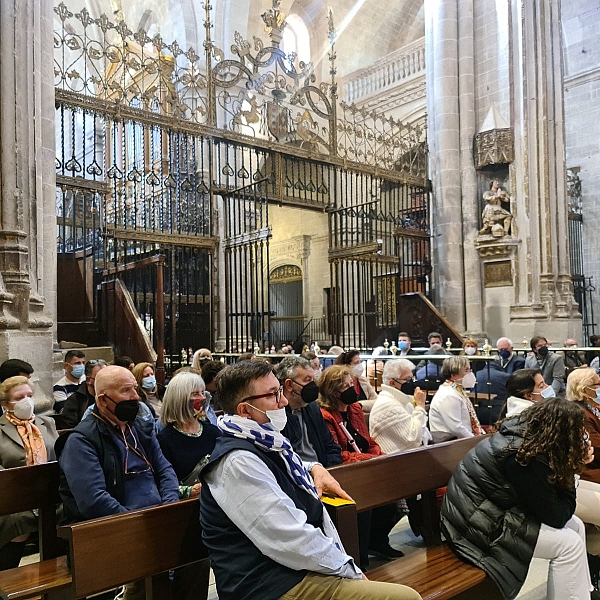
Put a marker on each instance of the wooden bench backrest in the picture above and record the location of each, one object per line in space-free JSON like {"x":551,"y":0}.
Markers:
{"x":115,"y":550}
{"x":384,"y":479}
{"x":35,"y":487}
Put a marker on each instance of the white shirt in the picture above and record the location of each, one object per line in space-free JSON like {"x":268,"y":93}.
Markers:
{"x":449,"y":413}
{"x":516,"y":405}
{"x":248,"y":493}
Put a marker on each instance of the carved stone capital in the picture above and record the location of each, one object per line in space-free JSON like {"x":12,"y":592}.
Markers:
{"x":494,"y":147}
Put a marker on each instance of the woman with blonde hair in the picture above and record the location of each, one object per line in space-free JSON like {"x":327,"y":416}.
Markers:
{"x":201,"y":356}
{"x":470,"y":348}
{"x":150,"y":392}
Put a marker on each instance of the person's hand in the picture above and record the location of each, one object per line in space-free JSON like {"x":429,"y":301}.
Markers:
{"x":325,"y":482}
{"x":590,"y":454}
{"x":195,"y":490}
{"x":420,"y":396}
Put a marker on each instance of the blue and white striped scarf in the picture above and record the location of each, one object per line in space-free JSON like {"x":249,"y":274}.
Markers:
{"x":268,"y":440}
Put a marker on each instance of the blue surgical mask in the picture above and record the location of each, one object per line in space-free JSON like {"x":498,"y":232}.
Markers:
{"x":77,"y":370}
{"x":548,"y":393}
{"x":149,"y":383}
{"x":402,"y":345}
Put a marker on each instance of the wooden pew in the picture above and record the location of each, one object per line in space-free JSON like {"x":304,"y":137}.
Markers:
{"x":142,"y":544}
{"x":29,"y":488}
{"x":434,"y":571}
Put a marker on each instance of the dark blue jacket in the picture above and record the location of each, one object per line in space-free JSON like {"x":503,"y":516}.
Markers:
{"x":86,"y":496}
{"x":491,"y":380}
{"x":242,"y":571}
{"x":328,"y":452}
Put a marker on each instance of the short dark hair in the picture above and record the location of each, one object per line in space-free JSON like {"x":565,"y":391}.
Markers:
{"x":345,"y":358}
{"x":404,"y":334}
{"x":245,"y":356}
{"x":536,"y":339}
{"x":123,"y":361}
{"x":211,"y":369}
{"x":521,"y":382}
{"x":13,"y":367}
{"x":74,"y":354}
{"x":434,"y":334}
{"x":309,"y":355}
{"x":233,"y":381}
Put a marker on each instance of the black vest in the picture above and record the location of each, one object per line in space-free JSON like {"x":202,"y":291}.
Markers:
{"x":242,"y":571}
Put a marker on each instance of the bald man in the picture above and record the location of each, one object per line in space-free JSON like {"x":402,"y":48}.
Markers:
{"x":111,"y":462}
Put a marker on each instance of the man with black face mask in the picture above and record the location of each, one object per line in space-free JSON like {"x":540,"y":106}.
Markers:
{"x":551,"y":364}
{"x":111,"y":462}
{"x":305,"y":428}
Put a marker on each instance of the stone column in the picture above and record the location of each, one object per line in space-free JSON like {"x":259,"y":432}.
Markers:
{"x":544,"y":292}
{"x":441,"y":47}
{"x":27,"y":185}
{"x":452,"y":126}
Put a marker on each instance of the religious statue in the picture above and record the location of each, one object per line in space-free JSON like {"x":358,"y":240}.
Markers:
{"x":496,"y":220}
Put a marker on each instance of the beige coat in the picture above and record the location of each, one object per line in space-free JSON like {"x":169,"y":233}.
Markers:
{"x":12,"y":453}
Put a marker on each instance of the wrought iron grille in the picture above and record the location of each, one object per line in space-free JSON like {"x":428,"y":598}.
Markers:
{"x":153,"y":141}
{"x":582,"y":286}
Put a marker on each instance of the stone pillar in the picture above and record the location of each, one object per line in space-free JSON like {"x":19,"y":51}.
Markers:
{"x":544,"y":294}
{"x":452,"y":126}
{"x":27,"y":185}
{"x":442,"y":75}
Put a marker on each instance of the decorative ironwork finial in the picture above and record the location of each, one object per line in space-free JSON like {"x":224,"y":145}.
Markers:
{"x":332,"y":36}
{"x":275,"y":23}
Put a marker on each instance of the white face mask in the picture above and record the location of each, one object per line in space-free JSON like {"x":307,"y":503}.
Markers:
{"x":24,"y":409}
{"x":470,"y":350}
{"x":357,"y":370}
{"x":469,"y":381}
{"x":277,"y":417}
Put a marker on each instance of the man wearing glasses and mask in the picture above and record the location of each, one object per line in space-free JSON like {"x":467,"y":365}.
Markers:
{"x":305,"y":428}
{"x":111,"y":462}
{"x":267,"y":532}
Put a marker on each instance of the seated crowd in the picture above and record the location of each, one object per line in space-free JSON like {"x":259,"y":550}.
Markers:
{"x":260,"y":468}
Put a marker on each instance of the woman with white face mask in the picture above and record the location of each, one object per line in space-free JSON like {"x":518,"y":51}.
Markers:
{"x":470,"y":349}
{"x":451,"y":414}
{"x":366,"y":393}
{"x":25,"y":440}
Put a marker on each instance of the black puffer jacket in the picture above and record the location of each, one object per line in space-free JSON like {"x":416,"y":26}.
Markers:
{"x":485,"y":517}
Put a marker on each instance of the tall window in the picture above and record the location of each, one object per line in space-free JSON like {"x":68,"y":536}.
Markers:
{"x":296,"y":38}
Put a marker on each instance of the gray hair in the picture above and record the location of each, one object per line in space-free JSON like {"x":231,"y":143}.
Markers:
{"x":287,"y":367}
{"x":176,"y":402}
{"x":90,"y":365}
{"x":505,"y":339}
{"x":393,"y":369}
{"x":453,"y":365}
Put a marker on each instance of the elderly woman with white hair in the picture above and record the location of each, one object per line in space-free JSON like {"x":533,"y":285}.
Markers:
{"x":186,"y":441}
{"x":451,"y":414}
{"x":398,"y":422}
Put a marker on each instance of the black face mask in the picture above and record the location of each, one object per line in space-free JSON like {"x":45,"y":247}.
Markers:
{"x":349,"y":396}
{"x":543,"y":351}
{"x":310,"y":391}
{"x":125,"y":411}
{"x":408,"y":387}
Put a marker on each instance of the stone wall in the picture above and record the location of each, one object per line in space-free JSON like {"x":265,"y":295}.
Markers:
{"x":581,"y":36}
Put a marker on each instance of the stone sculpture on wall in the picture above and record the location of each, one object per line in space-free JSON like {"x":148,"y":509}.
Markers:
{"x":496,"y":219}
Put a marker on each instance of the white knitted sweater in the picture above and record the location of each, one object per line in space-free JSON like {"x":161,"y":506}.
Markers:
{"x":395,"y":423}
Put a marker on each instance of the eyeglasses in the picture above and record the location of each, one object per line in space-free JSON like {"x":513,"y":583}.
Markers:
{"x":137,"y":452}
{"x":403,"y":381}
{"x":96,"y":361}
{"x":275,"y":395}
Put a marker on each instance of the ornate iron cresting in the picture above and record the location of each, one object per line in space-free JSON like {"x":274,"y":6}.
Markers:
{"x":155,"y":139}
